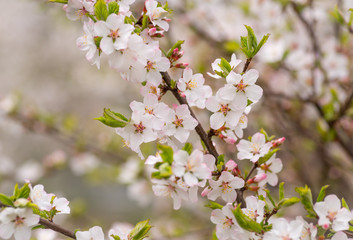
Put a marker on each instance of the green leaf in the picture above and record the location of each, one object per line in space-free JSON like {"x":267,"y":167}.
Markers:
{"x":59,"y":1}
{"x":145,"y":21}
{"x":24,"y":191}
{"x":5,"y":200}
{"x":166,"y":153}
{"x":214,"y":205}
{"x":281,"y":191}
{"x":176,"y":45}
{"x":287,"y":202}
{"x":245,"y":222}
{"x":322,"y":193}
{"x":225,"y":66}
{"x":100,"y":10}
{"x":165,"y":170}
{"x":220,"y":162}
{"x":344,"y":204}
{"x":337,"y":15}
{"x":267,"y":157}
{"x":262,"y":42}
{"x":188,"y":148}
{"x":113,"y":119}
{"x":307,"y":200}
{"x":232,"y":46}
{"x":113,"y":7}
{"x":16,"y":191}
{"x":140,"y":231}
{"x":269,"y":196}
{"x":252,"y":40}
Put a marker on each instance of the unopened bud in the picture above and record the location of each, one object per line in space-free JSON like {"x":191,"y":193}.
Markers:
{"x":278,"y":142}
{"x":206,"y":191}
{"x":21,"y":202}
{"x":253,"y":188}
{"x":167,"y":19}
{"x":260,"y":177}
{"x":152,"y":31}
{"x":181,"y":65}
{"x":230,"y":165}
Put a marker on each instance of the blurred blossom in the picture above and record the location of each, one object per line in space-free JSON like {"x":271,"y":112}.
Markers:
{"x":129,"y":170}
{"x":30,"y":170}
{"x":84,"y":163}
{"x":46,"y":234}
{"x":141,"y":192}
{"x":55,"y":159}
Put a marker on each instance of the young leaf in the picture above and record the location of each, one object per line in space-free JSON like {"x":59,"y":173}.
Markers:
{"x":281,"y":191}
{"x":252,"y":40}
{"x":225,"y":66}
{"x":24,"y":191}
{"x":337,"y":15}
{"x":322,"y":194}
{"x":113,"y":119}
{"x":176,"y":45}
{"x":344,"y":204}
{"x":166,"y":154}
{"x":113,"y":7}
{"x":245,"y":222}
{"x":261,"y":43}
{"x":5,"y":200}
{"x":214,"y":205}
{"x":140,"y":230}
{"x":59,"y":1}
{"x":100,"y":10}
{"x":188,"y":148}
{"x":306,"y":199}
{"x":165,"y":170}
{"x":287,"y":202}
{"x":220,"y":162}
{"x":270,"y":197}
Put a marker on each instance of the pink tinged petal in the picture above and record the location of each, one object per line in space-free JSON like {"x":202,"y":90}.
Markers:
{"x":276,"y":165}
{"x":114,"y":21}
{"x":296,"y":228}
{"x":272,"y":179}
{"x":217,"y":120}
{"x":210,"y":161}
{"x":187,"y":75}
{"x":31,"y":219}
{"x":234,"y":62}
{"x":182,"y":110}
{"x":232,"y":118}
{"x":254,"y":93}
{"x":258,"y":138}
{"x":182,"y":135}
{"x":226,"y":177}
{"x":181,"y":85}
{"x":193,"y":193}
{"x":190,"y":179}
{"x":181,"y":157}
{"x":233,"y":78}
{"x":83,"y":235}
{"x":23,"y":233}
{"x":101,"y":29}
{"x":237,"y":183}
{"x":107,"y":45}
{"x":229,"y":196}
{"x":212,"y":104}
{"x":340,"y":225}
{"x":321,"y":209}
{"x":7,"y":230}
{"x":97,"y":233}
{"x":190,"y":123}
{"x":163,"y":64}
{"x":214,"y":194}
{"x":226,"y":93}
{"x":203,"y":172}
{"x":163,"y":24}
{"x":176,"y":201}
{"x":250,"y":77}
{"x":150,"y":100}
{"x":61,"y":205}
{"x":333,"y":203}
{"x":239,"y":101}
{"x":217,"y":216}
{"x":244,"y":155}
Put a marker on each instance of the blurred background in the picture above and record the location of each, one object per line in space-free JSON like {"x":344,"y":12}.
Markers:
{"x":50,"y":95}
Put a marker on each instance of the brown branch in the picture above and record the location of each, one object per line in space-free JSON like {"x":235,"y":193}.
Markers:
{"x":248,"y":61}
{"x":52,"y":226}
{"x":199,"y":129}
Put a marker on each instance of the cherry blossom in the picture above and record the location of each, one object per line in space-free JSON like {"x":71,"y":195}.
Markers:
{"x":253,"y":149}
{"x":282,"y":229}
{"x":78,"y":9}
{"x":17,"y":222}
{"x":155,"y":14}
{"x":191,"y":168}
{"x":114,"y":32}
{"x":340,"y":236}
{"x":192,"y":86}
{"x":331,"y":214}
{"x":87,"y":43}
{"x":121,"y":230}
{"x":234,"y":62}
{"x":225,"y":187}
{"x":94,"y":233}
{"x":309,"y":230}
{"x":254,"y":208}
{"x":271,"y":168}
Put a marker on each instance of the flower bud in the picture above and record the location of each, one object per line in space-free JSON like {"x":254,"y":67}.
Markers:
{"x":21,"y":202}
{"x":181,"y":65}
{"x":230,"y":165}
{"x":260,"y":177}
{"x":206,"y":191}
{"x":278,"y":142}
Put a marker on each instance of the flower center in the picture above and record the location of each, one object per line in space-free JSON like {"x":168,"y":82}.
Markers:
{"x":150,"y":65}
{"x":331,"y":216}
{"x":178,"y":122}
{"x":139,"y":128}
{"x":19,"y":221}
{"x":228,"y":222}
{"x":225,"y":187}
{"x":255,"y":148}
{"x":191,"y":84}
{"x":224,"y":109}
{"x":241,"y":86}
{"x":114,"y":34}
{"x":149,"y":110}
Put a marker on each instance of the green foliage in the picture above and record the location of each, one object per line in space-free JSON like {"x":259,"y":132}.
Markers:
{"x":307,"y":200}
{"x":245,"y":222}
{"x":59,"y":1}
{"x":337,"y":16}
{"x":113,"y":7}
{"x":214,"y":205}
{"x":231,"y":46}
{"x":100,"y":10}
{"x":188,"y":148}
{"x":287,"y":202}
{"x":113,"y":119}
{"x":281,"y":191}
{"x":265,"y":158}
{"x":220,"y":162}
{"x":249,"y":44}
{"x":322,"y":194}
{"x":344,"y":204}
{"x":166,"y":153}
{"x":5,"y":200}
{"x":140,"y":230}
{"x":145,"y":21}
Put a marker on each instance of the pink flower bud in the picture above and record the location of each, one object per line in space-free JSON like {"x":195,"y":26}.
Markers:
{"x":182,"y":65}
{"x":167,"y":19}
{"x":206,"y":191}
{"x":260,"y":177}
{"x":152,"y":31}
{"x":230,"y":165}
{"x":326,"y":226}
{"x":278,"y":142}
{"x":175,"y":51}
{"x":230,"y":140}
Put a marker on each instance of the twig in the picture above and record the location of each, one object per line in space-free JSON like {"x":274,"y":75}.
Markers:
{"x":199,"y":129}
{"x":52,"y":226}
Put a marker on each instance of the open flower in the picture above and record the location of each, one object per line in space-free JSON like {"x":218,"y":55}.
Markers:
{"x":17,"y":222}
{"x":94,"y":233}
{"x":253,"y":149}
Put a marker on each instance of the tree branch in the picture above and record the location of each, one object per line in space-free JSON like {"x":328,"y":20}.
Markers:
{"x":199,"y":129}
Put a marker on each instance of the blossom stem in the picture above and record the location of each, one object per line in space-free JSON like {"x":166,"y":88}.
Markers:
{"x":199,"y":129}
{"x":246,"y":66}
